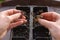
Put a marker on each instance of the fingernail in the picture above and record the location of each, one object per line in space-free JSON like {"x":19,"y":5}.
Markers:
{"x":39,"y":16}
{"x":21,"y":21}
{"x":25,"y":20}
{"x":38,"y":19}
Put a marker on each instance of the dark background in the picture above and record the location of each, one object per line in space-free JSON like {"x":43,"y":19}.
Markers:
{"x":31,"y":2}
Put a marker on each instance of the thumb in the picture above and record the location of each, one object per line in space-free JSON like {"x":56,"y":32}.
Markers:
{"x":44,"y":22}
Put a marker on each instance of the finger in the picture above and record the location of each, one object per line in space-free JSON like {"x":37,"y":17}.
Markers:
{"x":23,"y":17}
{"x":24,"y":20}
{"x":13,"y":25}
{"x":20,"y":20}
{"x":14,"y":17}
{"x":10,"y":12}
{"x":51,"y":12}
{"x":45,"y":23}
{"x":51,"y":16}
{"x":47,"y":16}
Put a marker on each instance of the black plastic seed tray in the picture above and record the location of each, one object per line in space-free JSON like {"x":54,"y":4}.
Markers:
{"x":39,"y":30}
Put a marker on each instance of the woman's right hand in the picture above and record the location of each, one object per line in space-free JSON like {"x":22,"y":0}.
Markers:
{"x":52,"y":22}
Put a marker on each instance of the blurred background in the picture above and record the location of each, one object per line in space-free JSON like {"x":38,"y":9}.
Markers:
{"x":29,"y":2}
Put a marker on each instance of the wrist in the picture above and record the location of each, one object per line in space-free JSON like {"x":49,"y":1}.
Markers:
{"x":2,"y":34}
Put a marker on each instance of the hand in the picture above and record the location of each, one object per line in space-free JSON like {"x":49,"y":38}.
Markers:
{"x":52,"y":22}
{"x":10,"y":19}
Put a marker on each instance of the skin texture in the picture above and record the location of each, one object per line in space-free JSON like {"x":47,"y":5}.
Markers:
{"x":10,"y":19}
{"x":52,"y":22}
